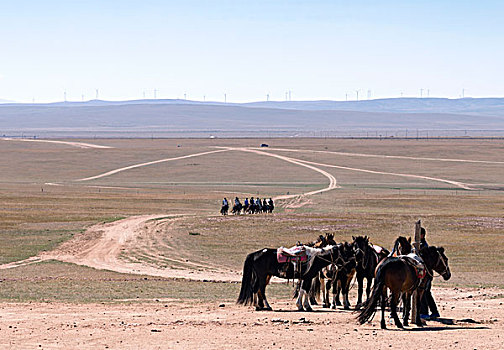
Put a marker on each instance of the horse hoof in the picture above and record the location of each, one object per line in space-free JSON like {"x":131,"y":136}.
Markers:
{"x":333,"y":307}
{"x":383,"y":326}
{"x":338,"y":303}
{"x":268,"y":309}
{"x":325,"y":306}
{"x":309,"y":309}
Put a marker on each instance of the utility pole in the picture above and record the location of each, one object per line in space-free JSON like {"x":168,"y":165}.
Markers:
{"x":421,"y":93}
{"x":225,"y":98}
{"x":357,"y":92}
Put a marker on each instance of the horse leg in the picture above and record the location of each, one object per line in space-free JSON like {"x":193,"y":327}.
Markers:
{"x":306,"y":303}
{"x":393,"y":309}
{"x":360,"y":281}
{"x":338,"y":284}
{"x":419,"y":295}
{"x":334,"y":290}
{"x":327,"y":303}
{"x":299,"y":302}
{"x":383,"y":302}
{"x":263,"y":293}
{"x":345,"y":290}
{"x":406,"y":305}
{"x":323,"y":291}
{"x":306,"y":285}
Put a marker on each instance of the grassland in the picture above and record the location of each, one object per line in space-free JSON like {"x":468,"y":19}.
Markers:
{"x":35,"y":216}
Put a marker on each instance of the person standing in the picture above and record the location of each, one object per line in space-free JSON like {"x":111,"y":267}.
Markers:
{"x":427,"y":301}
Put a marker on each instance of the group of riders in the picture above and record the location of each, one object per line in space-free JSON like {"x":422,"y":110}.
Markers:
{"x":333,"y":265}
{"x":252,"y":206}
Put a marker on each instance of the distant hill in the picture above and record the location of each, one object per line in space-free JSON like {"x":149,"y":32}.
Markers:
{"x":476,"y":106}
{"x":168,"y":118}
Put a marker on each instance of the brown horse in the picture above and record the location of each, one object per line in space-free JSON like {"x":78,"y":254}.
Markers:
{"x":397,"y":274}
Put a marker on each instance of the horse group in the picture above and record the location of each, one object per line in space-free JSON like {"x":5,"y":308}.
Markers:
{"x":324,"y":265}
{"x":254,"y":207}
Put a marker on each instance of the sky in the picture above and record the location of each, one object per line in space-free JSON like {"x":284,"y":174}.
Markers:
{"x":246,"y":50}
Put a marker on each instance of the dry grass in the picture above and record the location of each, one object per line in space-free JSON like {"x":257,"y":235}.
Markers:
{"x":468,"y":224}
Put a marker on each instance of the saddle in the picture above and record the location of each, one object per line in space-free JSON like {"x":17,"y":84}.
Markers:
{"x":416,"y":262}
{"x":296,"y":253}
{"x":377,"y":248}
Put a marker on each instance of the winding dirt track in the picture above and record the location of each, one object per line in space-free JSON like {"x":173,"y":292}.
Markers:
{"x":69,"y":143}
{"x":385,"y":156}
{"x":108,"y":247}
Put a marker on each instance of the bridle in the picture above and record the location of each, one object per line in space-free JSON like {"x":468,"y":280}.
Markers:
{"x":446,"y":268}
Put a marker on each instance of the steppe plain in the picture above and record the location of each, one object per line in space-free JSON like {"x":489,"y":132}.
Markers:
{"x":122,"y":246}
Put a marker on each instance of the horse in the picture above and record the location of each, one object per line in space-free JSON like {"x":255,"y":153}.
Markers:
{"x":224,"y":209}
{"x":402,"y":245}
{"x":339,"y":278}
{"x":400,"y":276}
{"x":314,"y":292}
{"x":367,"y":259}
{"x":261,"y":265}
{"x":237,"y":209}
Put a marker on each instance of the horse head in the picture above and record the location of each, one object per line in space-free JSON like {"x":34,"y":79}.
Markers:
{"x":329,"y":237}
{"x":436,"y":260}
{"x":359,"y":245}
{"x":403,"y":245}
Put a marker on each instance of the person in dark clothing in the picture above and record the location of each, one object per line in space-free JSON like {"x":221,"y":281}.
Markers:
{"x":427,"y":301}
{"x":271,"y":206}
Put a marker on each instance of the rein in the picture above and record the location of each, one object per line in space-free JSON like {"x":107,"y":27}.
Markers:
{"x":440,"y":258}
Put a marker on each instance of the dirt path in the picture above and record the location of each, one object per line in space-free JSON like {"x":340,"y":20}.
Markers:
{"x":429,"y":178}
{"x":385,"y":156}
{"x":472,"y":319}
{"x":332,"y":180}
{"x":74,"y":144}
{"x":115,"y":171}
{"x":131,"y":245}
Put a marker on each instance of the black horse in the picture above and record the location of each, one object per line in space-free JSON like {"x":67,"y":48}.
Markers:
{"x":401,"y":277}
{"x":339,"y":278}
{"x":367,"y":260}
{"x":224,"y":209}
{"x":237,"y":208}
{"x":261,"y":265}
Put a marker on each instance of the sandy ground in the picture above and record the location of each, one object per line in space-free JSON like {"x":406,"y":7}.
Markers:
{"x":472,"y":319}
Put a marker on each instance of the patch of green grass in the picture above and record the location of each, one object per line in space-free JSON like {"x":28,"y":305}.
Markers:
{"x":112,"y":219}
{"x":56,"y":281}
{"x":21,"y":244}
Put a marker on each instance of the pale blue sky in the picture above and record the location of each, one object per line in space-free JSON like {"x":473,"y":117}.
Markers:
{"x":246,"y":49}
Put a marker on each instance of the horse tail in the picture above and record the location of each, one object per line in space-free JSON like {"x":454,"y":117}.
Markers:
{"x":369,"y":306}
{"x":315,"y":288}
{"x":246,"y":293}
